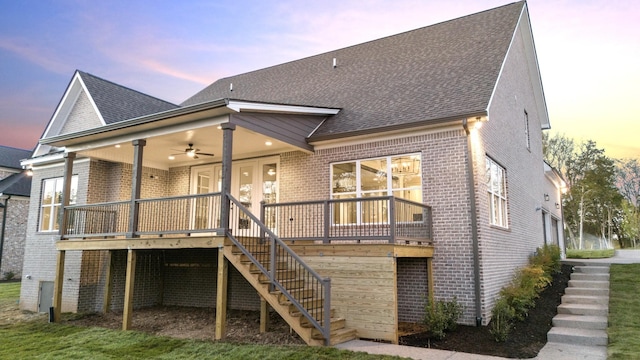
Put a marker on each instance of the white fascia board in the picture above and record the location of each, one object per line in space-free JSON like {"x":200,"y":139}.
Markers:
{"x":46,"y":159}
{"x":240,"y":106}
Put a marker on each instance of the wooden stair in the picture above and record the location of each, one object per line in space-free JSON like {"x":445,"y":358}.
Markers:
{"x":295,"y":285}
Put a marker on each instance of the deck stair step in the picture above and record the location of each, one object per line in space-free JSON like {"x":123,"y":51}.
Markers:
{"x":586,"y":291}
{"x":280,"y":275}
{"x":580,"y":321}
{"x":585,"y":299}
{"x":294,"y":283}
{"x":590,"y":276}
{"x":587,"y":337}
{"x":297,"y":293}
{"x":589,"y":284}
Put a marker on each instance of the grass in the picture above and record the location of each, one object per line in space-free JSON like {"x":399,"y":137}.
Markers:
{"x":624,"y":312}
{"x":38,"y":339}
{"x":589,"y":254}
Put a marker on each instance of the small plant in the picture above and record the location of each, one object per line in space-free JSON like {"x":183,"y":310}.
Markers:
{"x":442,"y":316}
{"x":547,"y":257}
{"x":502,"y":317}
{"x":8,"y":275}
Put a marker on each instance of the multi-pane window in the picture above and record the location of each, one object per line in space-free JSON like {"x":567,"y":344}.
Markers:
{"x":398,"y":176}
{"x":497,"y":189}
{"x":52,"y":201}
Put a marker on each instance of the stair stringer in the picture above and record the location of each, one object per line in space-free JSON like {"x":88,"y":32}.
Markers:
{"x":305,"y":333}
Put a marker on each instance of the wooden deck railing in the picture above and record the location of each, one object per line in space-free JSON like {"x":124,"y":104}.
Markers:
{"x":186,"y":215}
{"x":370,"y":219}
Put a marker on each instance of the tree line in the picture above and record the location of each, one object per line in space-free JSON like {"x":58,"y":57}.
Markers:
{"x":602,"y":201}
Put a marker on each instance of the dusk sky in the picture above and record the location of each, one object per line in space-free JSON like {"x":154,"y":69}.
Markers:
{"x":588,"y":52}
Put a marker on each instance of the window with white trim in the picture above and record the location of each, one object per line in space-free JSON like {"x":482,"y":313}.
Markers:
{"x":497,"y":190}
{"x":398,"y":175}
{"x":51,"y":201}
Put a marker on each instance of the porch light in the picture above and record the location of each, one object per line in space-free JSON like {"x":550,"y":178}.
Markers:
{"x":29,"y":172}
{"x":546,"y":197}
{"x":557,"y":205}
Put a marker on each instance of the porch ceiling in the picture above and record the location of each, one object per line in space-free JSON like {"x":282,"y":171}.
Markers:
{"x":207,"y":139}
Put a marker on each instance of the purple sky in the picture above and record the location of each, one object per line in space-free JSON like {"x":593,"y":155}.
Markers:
{"x":588,"y":51}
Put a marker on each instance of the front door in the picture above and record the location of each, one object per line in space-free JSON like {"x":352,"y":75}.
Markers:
{"x":252,"y":181}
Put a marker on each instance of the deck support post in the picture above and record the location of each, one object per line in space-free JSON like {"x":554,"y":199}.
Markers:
{"x":66,"y":192}
{"x":430,"y":284}
{"x":227,"y":158}
{"x":221,"y":298}
{"x":136,"y":185}
{"x":106,"y":302}
{"x":57,"y":286}
{"x":264,"y":315}
{"x":128,"y":289}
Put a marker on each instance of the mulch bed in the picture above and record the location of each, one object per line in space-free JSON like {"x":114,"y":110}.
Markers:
{"x":525,"y":340}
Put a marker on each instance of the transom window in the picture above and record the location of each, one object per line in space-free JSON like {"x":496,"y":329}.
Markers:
{"x":398,"y":176}
{"x":51,"y":202}
{"x":497,"y":188}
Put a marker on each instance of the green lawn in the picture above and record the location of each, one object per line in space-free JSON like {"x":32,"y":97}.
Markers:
{"x":589,"y":254}
{"x":38,"y":339}
{"x":624,"y":312}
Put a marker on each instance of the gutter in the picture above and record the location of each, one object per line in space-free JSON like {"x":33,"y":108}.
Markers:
{"x":4,"y":223}
{"x":474,"y":224}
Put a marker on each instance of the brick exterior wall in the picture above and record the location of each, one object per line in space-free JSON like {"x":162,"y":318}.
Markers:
{"x":503,"y":139}
{"x":413,"y":289}
{"x":14,"y":235}
{"x":82,"y":116}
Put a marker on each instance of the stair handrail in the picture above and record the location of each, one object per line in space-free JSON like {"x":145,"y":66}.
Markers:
{"x":274,"y":283}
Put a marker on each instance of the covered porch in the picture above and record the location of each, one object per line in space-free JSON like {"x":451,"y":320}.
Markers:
{"x":256,"y":237}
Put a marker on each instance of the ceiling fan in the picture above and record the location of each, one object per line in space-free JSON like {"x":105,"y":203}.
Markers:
{"x":192,"y":152}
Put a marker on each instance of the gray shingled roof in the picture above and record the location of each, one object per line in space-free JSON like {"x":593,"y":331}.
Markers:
{"x":10,"y":157}
{"x":117,"y":103}
{"x":18,"y":184}
{"x":432,"y":73}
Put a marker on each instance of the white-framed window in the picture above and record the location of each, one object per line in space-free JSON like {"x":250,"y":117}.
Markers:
{"x":397,"y":175}
{"x":51,"y":201}
{"x":497,"y":190}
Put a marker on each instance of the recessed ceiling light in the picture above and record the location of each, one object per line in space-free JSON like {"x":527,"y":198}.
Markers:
{"x":268,"y":143}
{"x":171,"y":157}
{"x":117,"y":145}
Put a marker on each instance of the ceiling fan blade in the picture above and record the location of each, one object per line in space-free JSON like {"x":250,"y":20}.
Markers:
{"x":205,"y":154}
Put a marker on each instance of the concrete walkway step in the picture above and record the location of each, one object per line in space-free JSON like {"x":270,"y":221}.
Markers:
{"x":586,"y":291}
{"x":589,"y":284}
{"x":585,"y":299}
{"x":590,"y":276}
{"x":591,"y":269}
{"x":574,"y":336}
{"x":580,"y":321}
{"x":583,"y":309}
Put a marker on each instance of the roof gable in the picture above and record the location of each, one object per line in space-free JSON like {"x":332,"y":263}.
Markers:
{"x":91,"y":102}
{"x":428,"y":74}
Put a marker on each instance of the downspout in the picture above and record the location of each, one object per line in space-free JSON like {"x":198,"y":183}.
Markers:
{"x":474,"y":223}
{"x":4,"y":224}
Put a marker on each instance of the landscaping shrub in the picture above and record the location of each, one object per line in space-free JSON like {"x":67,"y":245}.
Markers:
{"x":442,"y":316}
{"x":518,"y":297}
{"x":8,"y":275}
{"x":502,"y":317}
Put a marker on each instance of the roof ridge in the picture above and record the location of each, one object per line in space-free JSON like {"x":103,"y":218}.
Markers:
{"x":15,"y":148}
